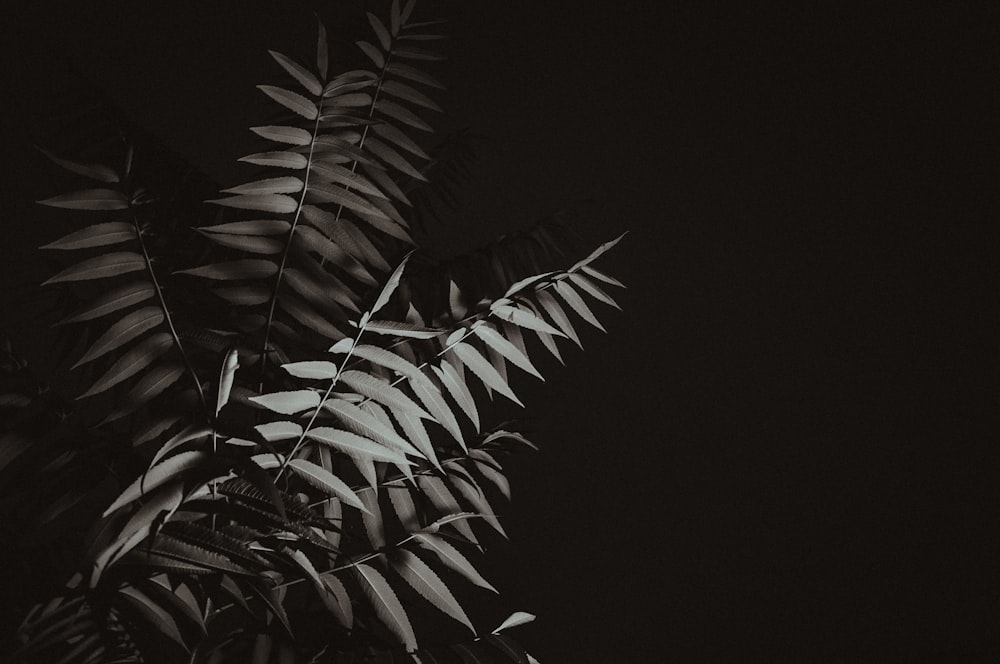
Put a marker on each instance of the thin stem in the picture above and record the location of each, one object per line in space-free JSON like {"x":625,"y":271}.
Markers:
{"x":166,"y":313}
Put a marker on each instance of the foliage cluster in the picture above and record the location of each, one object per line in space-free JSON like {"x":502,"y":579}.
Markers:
{"x":281,"y":429}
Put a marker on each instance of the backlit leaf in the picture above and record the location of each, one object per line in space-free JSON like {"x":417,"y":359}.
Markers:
{"x":381,"y":392}
{"x":600,"y":276}
{"x":442,"y":498}
{"x":276,"y":431}
{"x":515,"y":619}
{"x":397,"y":329}
{"x":386,"y":605}
{"x":552,"y":307}
{"x":390,"y":285}
{"x":436,"y":405}
{"x":592,"y":289}
{"x":596,"y":253}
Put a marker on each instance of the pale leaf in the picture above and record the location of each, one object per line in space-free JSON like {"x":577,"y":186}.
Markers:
{"x":386,"y":605}
{"x":89,"y":199}
{"x":382,"y":392}
{"x":576,"y":303}
{"x":277,"y":431}
{"x":288,"y":184}
{"x":471,"y":358}
{"x":354,"y":445}
{"x":293,"y":101}
{"x":429,"y":585}
{"x":276,"y":203}
{"x":125,"y":330}
{"x":288,"y":403}
{"x":390,"y":285}
{"x":316,"y":369}
{"x":157,"y":476}
{"x":515,"y":619}
{"x":500,"y":344}
{"x":281,"y":134}
{"x":325,"y":481}
{"x":229,"y":367}
{"x":299,"y":73}
{"x":452,"y":558}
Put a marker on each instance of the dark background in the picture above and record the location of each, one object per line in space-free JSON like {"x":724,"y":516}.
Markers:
{"x":784,"y":448}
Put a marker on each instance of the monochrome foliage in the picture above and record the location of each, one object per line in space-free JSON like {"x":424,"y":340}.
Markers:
{"x":279,"y":453}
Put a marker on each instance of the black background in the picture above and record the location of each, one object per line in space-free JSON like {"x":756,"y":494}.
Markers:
{"x":784,"y":448}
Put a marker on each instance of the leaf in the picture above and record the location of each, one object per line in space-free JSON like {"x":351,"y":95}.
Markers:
{"x":404,"y":115}
{"x":288,"y":403}
{"x":380,"y":31}
{"x":403,"y":91}
{"x":98,"y":267}
{"x":322,"y":59}
{"x":429,"y":585}
{"x":336,"y":173}
{"x":600,"y":276}
{"x":306,"y":315}
{"x":320,"y":293}
{"x":390,"y":285}
{"x":523,"y":318}
{"x":289,"y":135}
{"x":354,"y":445}
{"x":287,"y":184}
{"x":386,"y":605}
{"x":509,"y":648}
{"x":133,"y":361}
{"x":397,"y":137}
{"x":471,"y":491}
{"x":255,"y":227}
{"x":414,"y":74}
{"x":330,"y":193}
{"x":592,"y":289}
{"x":98,"y":172}
{"x":553,"y":309}
{"x":471,"y":358}
{"x":518,"y":286}
{"x":436,"y":405}
{"x":459,"y":391}
{"x":442,"y":499}
{"x":157,"y":476}
{"x":382,"y":392}
{"x":119,"y":334}
{"x":229,"y":367}
{"x":373,"y":53}
{"x":114,"y":300}
{"x":452,"y":558}
{"x":576,"y":303}
{"x":596,"y":253}
{"x":299,"y":73}
{"x":149,"y":386}
{"x":414,"y":429}
{"x":245,"y":295}
{"x":397,"y":329}
{"x":393,"y":158}
{"x":186,"y":435}
{"x":293,"y":101}
{"x":325,"y":481}
{"x":276,"y":203}
{"x":279,"y":159}
{"x":248,"y":243}
{"x":276,"y":431}
{"x":406,"y":511}
{"x":89,"y":199}
{"x":154,"y":614}
{"x":416,"y":53}
{"x":372,"y":518}
{"x":319,"y":370}
{"x":344,"y":612}
{"x":365,"y":424}
{"x":500,"y":344}
{"x":390,"y":360}
{"x":515,"y":619}
{"x":247,"y":268}
{"x":99,"y":235}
